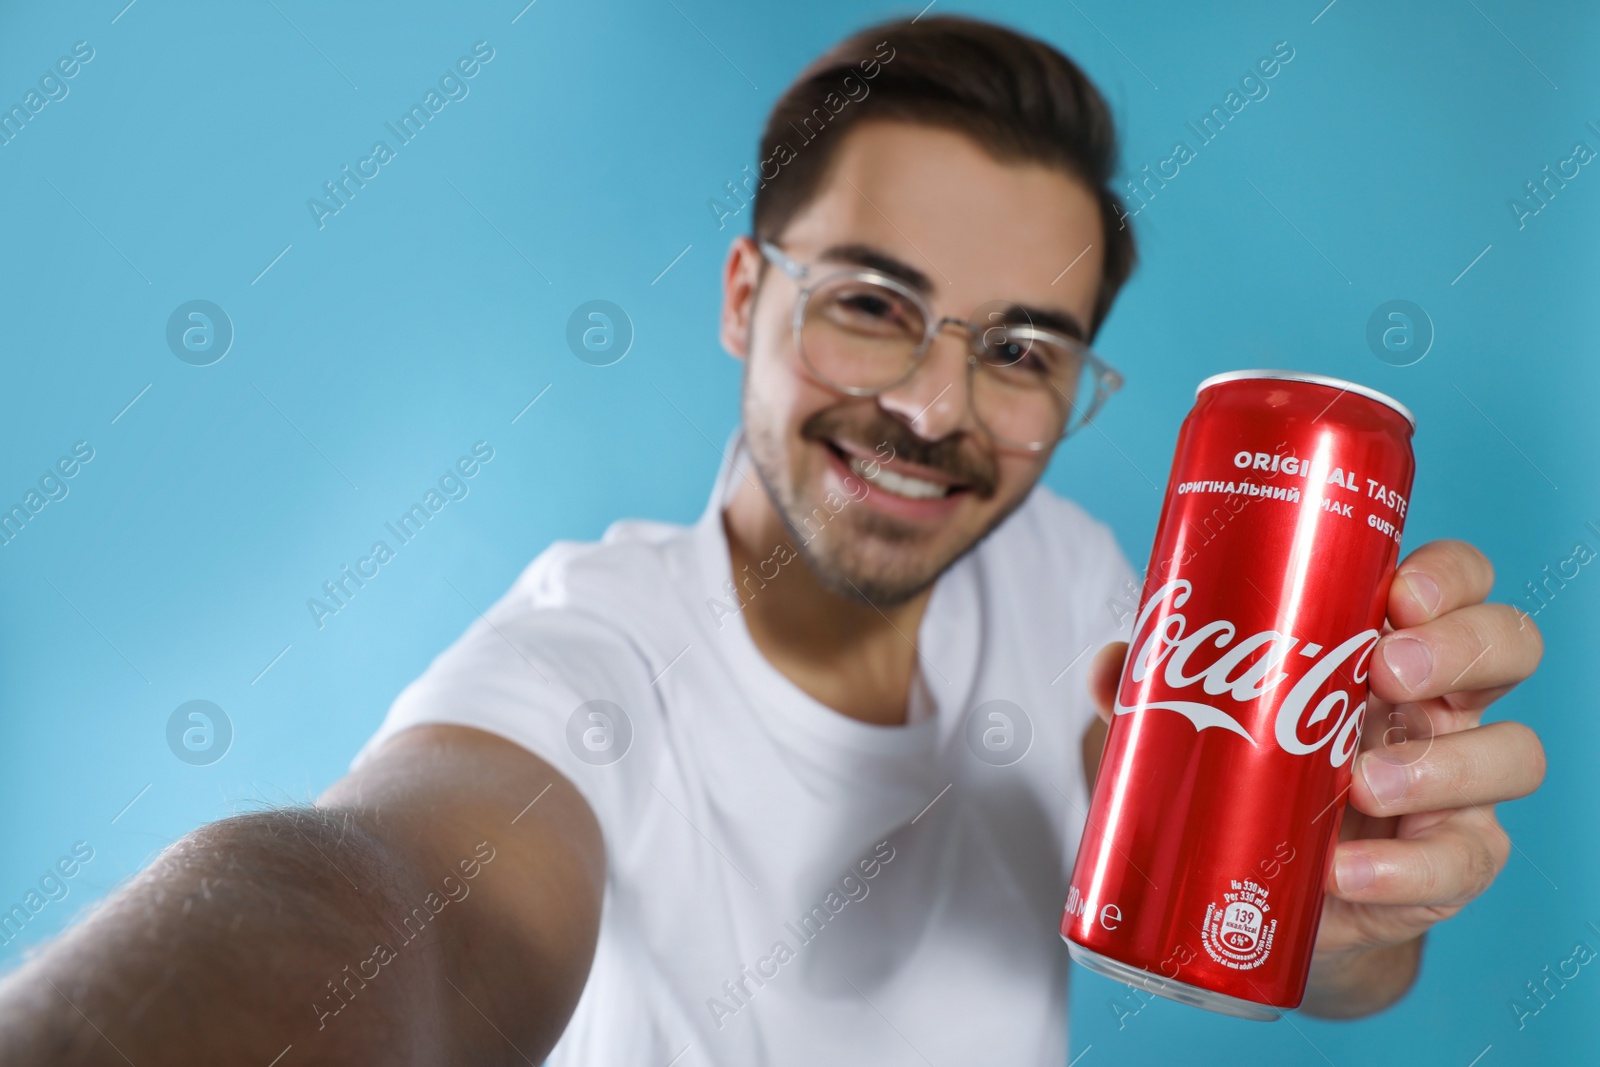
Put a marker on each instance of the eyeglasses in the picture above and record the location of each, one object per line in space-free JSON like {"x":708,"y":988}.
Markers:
{"x":863,"y":333}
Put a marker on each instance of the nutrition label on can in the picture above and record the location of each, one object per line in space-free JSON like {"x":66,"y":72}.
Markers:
{"x":1236,"y":931}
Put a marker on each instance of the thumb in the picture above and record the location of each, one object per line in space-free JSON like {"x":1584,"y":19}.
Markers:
{"x":1104,"y":671}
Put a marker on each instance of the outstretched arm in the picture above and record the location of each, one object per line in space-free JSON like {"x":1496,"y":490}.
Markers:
{"x":420,"y":913}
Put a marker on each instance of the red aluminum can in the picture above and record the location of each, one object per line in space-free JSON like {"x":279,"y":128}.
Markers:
{"x":1210,"y":836}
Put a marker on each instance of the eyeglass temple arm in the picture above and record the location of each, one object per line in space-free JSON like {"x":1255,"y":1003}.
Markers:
{"x":777,"y":256}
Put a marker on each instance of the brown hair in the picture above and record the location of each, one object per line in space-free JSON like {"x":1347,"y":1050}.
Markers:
{"x":1018,"y":97}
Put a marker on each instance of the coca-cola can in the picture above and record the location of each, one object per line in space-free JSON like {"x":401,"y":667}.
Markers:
{"x":1239,"y":711}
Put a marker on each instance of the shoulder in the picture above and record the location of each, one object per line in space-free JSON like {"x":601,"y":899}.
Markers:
{"x":563,"y":664}
{"x":581,"y":614}
{"x":573,"y":572}
{"x":629,"y":584}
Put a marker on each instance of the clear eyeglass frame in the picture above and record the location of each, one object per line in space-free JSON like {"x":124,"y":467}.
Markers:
{"x":1105,"y":378}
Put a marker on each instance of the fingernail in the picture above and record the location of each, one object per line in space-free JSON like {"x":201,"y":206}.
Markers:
{"x":1409,"y":660}
{"x":1386,"y":777}
{"x":1424,"y":591}
{"x":1352,"y":871}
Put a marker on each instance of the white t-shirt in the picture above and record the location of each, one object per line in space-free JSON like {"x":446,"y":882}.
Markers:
{"x":788,"y":885}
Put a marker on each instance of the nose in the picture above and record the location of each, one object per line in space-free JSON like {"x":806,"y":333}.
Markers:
{"x":933,"y":401}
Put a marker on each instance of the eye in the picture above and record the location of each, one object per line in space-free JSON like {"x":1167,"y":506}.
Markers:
{"x":1022,"y":353}
{"x":1006,"y":350}
{"x":869,"y":304}
{"x":869,"y":310}
{"x":1011,"y":352}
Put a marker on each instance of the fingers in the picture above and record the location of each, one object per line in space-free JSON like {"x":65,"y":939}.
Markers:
{"x":1437,"y":578}
{"x":1483,"y":765}
{"x":1104,"y":672}
{"x":1451,"y":864}
{"x":1479,"y":646}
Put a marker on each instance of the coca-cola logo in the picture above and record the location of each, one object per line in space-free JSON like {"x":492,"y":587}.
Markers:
{"x":1166,"y":653}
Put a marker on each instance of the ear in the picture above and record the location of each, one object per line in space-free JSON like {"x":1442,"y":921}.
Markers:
{"x":741,"y":274}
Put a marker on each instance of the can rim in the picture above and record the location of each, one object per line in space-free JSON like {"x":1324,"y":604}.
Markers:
{"x":1315,"y":379}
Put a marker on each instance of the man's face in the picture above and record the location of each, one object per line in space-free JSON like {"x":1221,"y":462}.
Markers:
{"x":919,"y":479}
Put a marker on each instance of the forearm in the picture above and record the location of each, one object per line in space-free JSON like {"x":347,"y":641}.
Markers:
{"x":1361,"y":982}
{"x":236,"y":943}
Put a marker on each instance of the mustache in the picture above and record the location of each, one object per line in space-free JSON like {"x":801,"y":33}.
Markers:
{"x":954,"y":455}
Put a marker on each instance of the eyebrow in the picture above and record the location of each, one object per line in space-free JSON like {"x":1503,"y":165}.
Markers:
{"x":1056,"y":321}
{"x":862,"y":255}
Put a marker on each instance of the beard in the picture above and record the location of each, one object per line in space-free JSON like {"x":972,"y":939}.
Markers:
{"x":857,"y":553}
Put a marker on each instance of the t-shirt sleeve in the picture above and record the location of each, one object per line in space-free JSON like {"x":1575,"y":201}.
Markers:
{"x":564,"y":684}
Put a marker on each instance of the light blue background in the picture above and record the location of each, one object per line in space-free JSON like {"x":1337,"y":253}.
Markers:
{"x":411,"y":326}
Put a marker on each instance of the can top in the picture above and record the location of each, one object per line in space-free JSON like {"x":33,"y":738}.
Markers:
{"x":1314,"y":379}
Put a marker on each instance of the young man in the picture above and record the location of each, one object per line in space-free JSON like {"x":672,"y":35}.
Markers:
{"x":728,"y":794}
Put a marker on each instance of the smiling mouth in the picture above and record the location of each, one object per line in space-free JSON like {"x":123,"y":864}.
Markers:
{"x":896,"y":483}
{"x":899,"y":484}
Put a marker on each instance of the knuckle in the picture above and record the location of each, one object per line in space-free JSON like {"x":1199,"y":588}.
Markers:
{"x":1107,"y":663}
{"x":1484,"y":630}
{"x":1429,"y":877}
{"x":1499,"y":853}
{"x":1483,"y":565}
{"x":1474,"y":563}
{"x":1464,"y":563}
{"x":1515,"y":625}
{"x":1470,"y":641}
{"x":1111,"y":654}
{"x":1466,"y":868}
{"x":1485,"y":861}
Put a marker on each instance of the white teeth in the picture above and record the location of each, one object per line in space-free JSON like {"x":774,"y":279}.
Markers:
{"x":898,"y":484}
